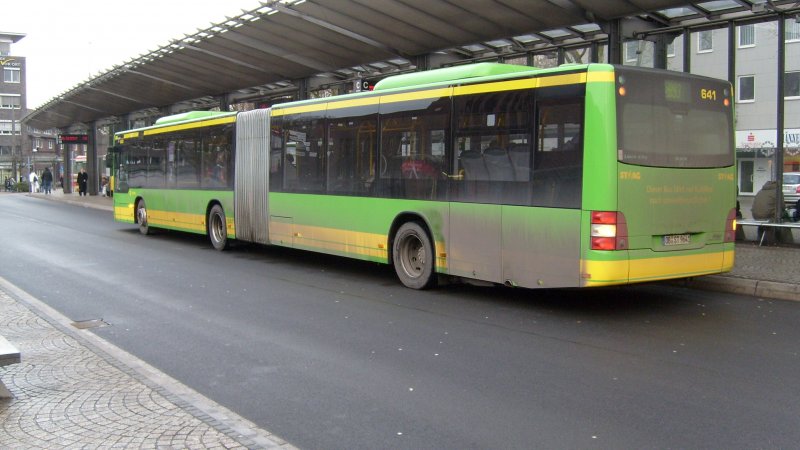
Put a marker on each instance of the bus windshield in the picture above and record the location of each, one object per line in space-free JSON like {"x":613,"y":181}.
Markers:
{"x":666,"y":120}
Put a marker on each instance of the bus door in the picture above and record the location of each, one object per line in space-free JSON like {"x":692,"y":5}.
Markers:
{"x":541,"y":236}
{"x":475,"y":241}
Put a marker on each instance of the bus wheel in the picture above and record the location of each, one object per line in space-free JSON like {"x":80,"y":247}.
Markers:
{"x":412,"y":254}
{"x":141,"y":217}
{"x":217,"y":229}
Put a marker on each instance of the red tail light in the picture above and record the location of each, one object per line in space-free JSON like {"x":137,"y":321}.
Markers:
{"x":730,"y":226}
{"x":609,"y":231}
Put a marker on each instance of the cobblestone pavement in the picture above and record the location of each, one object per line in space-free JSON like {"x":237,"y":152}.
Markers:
{"x":70,"y":394}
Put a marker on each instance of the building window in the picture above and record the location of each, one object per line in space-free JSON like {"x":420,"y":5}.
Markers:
{"x":9,"y":127}
{"x":631,"y":51}
{"x":5,"y":150}
{"x":10,"y":101}
{"x":791,"y":85}
{"x":792,"y":31}
{"x":746,"y":92}
{"x":705,"y":41}
{"x":11,"y":74}
{"x":49,"y":144}
{"x":747,"y":36}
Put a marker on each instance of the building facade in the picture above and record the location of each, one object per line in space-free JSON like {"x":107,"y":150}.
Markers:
{"x":22,"y":149}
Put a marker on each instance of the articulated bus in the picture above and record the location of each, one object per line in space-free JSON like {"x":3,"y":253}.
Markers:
{"x":575,"y":176}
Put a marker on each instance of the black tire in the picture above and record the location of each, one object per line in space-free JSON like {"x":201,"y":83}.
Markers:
{"x":141,"y":218}
{"x":413,"y":257}
{"x":217,"y":228}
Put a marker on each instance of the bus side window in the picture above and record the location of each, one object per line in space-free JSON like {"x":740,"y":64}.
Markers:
{"x":217,"y":167}
{"x":414,"y":145}
{"x":276,"y":155}
{"x":352,"y":143}
{"x":558,"y":160}
{"x":493,"y":148}
{"x":304,"y":153}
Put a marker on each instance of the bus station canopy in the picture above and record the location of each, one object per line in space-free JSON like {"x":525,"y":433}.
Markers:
{"x":283,"y":40}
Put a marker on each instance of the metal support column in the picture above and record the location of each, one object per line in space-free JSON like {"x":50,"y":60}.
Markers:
{"x":224,"y":102}
{"x":614,"y":31}
{"x":732,"y":53}
{"x":69,"y":156}
{"x":92,"y":166}
{"x":302,"y":88}
{"x":687,"y":50}
{"x":660,"y":52}
{"x":780,"y":113}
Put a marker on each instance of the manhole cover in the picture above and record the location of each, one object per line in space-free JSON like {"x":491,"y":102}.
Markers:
{"x":93,"y":323}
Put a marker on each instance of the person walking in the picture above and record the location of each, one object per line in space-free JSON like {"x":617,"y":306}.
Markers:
{"x":83,"y":180}
{"x":47,"y":180}
{"x":33,"y":180}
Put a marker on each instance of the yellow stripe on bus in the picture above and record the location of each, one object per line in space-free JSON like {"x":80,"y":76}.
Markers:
{"x":173,"y":220}
{"x":342,"y":242}
{"x":188,"y":126}
{"x":603,"y":273}
{"x":498,"y":86}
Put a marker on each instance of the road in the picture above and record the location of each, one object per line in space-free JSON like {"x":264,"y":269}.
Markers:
{"x":330,"y":353}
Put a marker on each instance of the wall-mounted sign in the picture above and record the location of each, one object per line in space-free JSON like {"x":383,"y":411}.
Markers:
{"x":73,"y":138}
{"x":9,"y":62}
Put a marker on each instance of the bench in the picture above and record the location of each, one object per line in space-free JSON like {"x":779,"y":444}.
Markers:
{"x":8,"y":355}
{"x":764,"y":225}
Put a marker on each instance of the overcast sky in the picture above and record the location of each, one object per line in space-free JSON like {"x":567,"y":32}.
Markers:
{"x":68,"y":42}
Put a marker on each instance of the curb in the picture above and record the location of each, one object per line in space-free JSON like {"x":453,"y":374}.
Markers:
{"x":745,"y":286}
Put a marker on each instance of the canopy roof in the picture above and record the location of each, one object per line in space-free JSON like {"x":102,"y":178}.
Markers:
{"x":264,"y":49}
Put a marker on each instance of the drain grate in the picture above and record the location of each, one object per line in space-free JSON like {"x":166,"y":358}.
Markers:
{"x":92,"y":323}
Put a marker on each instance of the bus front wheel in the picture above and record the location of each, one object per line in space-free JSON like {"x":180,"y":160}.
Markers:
{"x":141,"y":217}
{"x":412,"y":254}
{"x":217,"y":229}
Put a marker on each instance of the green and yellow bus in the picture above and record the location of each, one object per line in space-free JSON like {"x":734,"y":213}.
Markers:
{"x":575,"y":176}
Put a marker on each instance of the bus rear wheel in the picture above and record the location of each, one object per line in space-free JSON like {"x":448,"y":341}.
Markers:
{"x":141,"y":217}
{"x":413,"y":258}
{"x":217,"y":229}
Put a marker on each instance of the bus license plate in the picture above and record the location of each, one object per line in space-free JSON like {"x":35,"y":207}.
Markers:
{"x":676,"y":239}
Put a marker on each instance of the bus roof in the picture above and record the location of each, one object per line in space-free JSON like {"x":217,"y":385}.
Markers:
{"x":451,"y":74}
{"x":182,"y":118}
{"x":189,"y":116}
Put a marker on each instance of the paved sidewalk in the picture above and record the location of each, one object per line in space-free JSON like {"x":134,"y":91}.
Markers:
{"x":72,"y":389}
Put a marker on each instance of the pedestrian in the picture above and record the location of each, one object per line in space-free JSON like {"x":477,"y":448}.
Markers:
{"x":764,"y":203}
{"x":34,"y":181}
{"x":83,"y":180}
{"x":47,"y":180}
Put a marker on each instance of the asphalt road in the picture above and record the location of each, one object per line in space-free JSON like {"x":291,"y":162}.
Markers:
{"x":334,"y":354}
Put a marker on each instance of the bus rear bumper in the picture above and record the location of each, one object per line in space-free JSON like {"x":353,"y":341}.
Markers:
{"x":646,"y":265}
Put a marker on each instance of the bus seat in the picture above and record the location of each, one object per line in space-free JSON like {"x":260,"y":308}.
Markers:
{"x":474,"y":167}
{"x":520,"y":156}
{"x":498,"y":164}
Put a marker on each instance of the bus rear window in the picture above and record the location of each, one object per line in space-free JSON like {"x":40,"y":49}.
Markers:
{"x":666,"y":120}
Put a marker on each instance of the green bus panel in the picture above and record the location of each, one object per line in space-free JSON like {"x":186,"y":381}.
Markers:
{"x":182,"y":210}
{"x":356,"y":227}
